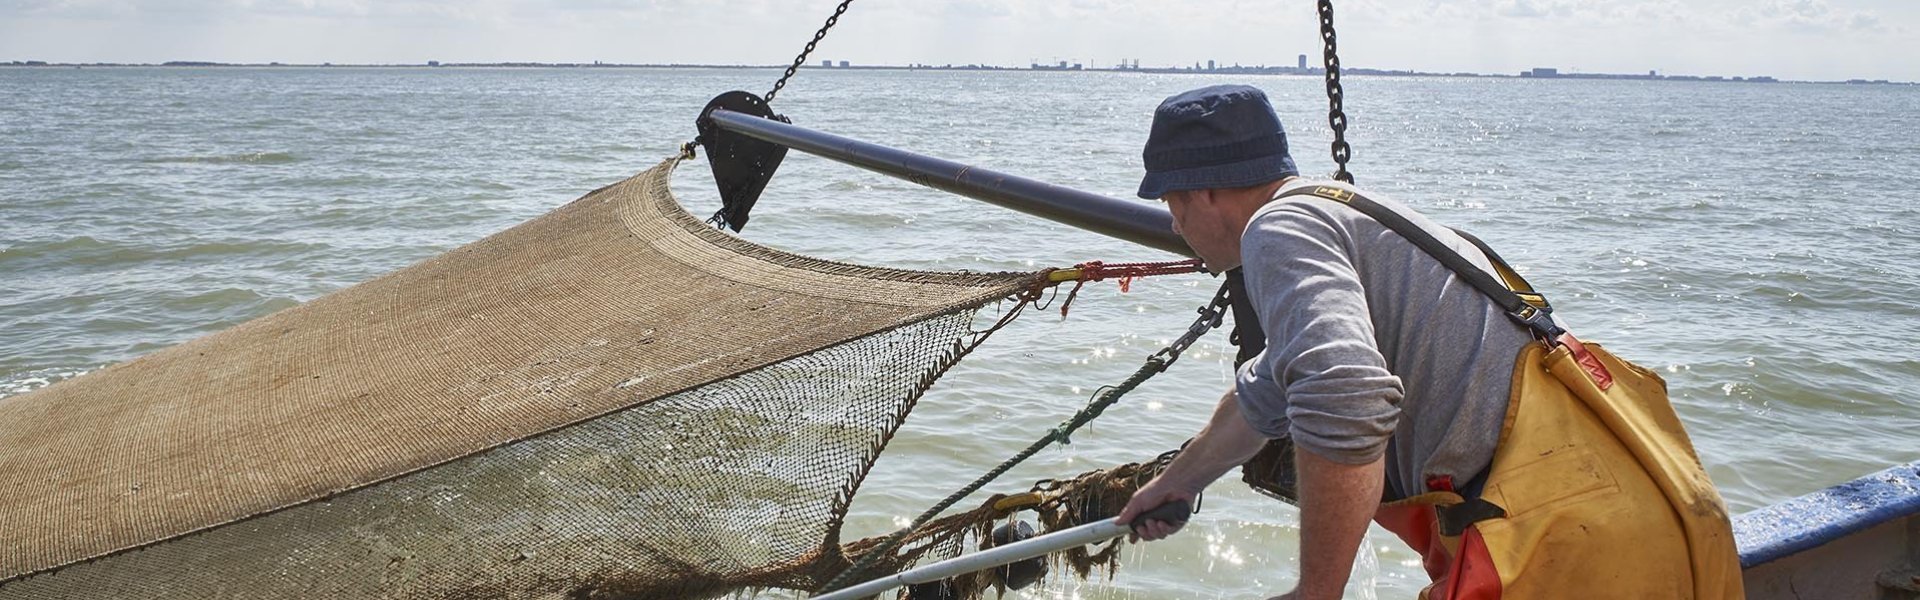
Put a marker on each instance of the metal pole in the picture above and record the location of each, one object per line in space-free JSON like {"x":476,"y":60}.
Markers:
{"x":1176,"y":513}
{"x":1090,"y":533}
{"x":1136,"y":222}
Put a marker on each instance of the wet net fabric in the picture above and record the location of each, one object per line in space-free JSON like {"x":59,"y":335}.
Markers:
{"x":610,"y":401}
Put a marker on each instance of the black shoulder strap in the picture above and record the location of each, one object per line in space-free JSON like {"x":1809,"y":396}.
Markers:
{"x":1515,"y":283}
{"x":1515,"y":295}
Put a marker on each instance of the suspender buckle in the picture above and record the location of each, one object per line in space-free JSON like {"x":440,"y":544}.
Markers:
{"x":1540,"y":321}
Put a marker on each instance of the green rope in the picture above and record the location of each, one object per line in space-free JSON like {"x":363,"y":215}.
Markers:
{"x":1210,"y":316}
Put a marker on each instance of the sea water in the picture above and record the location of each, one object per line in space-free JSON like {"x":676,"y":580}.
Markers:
{"x":1753,"y":243}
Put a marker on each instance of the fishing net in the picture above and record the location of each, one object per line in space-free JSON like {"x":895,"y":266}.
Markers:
{"x":610,"y":401}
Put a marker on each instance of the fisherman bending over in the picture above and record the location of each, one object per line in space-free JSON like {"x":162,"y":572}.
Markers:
{"x":1397,"y":381}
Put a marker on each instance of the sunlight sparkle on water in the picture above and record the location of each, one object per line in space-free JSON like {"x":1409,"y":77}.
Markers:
{"x":1219,"y":550}
{"x":1366,"y":571}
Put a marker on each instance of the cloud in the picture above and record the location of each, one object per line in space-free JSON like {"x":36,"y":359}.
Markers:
{"x":1583,"y":12}
{"x":973,"y":9}
{"x":1696,"y":17}
{"x":145,"y":10}
{"x":66,"y":8}
{"x":1521,"y":8}
{"x":1805,"y":16}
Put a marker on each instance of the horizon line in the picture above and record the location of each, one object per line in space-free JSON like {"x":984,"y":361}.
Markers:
{"x":1196,"y":69}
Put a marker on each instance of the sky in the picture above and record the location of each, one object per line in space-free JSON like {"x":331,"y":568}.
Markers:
{"x":1788,"y":39}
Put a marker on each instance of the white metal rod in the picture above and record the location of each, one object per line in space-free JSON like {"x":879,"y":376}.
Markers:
{"x":1095,"y":532}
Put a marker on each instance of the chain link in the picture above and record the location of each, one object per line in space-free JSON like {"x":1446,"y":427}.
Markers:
{"x":1211,"y":316}
{"x":1336,"y":116}
{"x":802,"y":58}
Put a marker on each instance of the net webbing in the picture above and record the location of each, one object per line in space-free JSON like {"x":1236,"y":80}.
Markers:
{"x":612,"y":400}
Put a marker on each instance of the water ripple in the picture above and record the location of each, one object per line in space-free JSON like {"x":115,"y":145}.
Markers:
{"x":250,"y":158}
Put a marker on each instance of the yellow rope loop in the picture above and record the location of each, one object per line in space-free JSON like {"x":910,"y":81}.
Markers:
{"x":1018,"y":501}
{"x":1058,"y":276}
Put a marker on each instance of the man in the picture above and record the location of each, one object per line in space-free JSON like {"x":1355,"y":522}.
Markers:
{"x":1392,"y":378}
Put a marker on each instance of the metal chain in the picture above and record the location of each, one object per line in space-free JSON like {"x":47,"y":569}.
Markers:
{"x":802,"y":58}
{"x":1336,"y":117}
{"x":1210,"y":318}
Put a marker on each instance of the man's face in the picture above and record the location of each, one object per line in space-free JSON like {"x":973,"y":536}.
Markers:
{"x":1200,"y":218}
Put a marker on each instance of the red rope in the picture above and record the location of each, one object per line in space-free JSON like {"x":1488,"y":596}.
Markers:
{"x":1126,"y":273}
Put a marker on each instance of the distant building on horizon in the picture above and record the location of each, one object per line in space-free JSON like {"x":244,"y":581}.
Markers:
{"x":845,"y":64}
{"x":826,"y":63}
{"x":1303,"y":62}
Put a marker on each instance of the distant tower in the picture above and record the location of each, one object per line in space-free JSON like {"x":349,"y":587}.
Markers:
{"x":845,"y":64}
{"x":826,"y":63}
{"x":1209,"y":64}
{"x":1303,"y":62}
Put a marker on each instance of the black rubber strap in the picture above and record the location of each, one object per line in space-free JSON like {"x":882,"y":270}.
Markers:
{"x":1530,"y":314}
{"x":1246,"y":335}
{"x":1514,"y":281}
{"x":1454,"y":519}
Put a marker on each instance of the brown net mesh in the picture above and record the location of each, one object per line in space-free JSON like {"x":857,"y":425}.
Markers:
{"x":610,"y":401}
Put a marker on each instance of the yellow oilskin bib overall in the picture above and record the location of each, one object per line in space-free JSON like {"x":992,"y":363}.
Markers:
{"x":1594,"y":491}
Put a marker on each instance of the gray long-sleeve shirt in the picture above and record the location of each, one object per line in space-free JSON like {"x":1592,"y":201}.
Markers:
{"x":1373,"y":347}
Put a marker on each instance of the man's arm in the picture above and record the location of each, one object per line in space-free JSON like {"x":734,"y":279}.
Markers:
{"x":1322,"y":381}
{"x":1226,"y":442}
{"x":1337,"y":502}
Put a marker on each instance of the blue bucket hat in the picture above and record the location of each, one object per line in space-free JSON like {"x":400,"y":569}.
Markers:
{"x":1223,"y":136}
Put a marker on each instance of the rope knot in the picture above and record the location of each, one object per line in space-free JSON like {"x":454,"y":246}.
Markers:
{"x":1085,"y":272}
{"x":1061,"y":435}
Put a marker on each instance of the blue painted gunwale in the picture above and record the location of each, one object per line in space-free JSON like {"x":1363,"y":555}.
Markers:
{"x":1807,"y":522}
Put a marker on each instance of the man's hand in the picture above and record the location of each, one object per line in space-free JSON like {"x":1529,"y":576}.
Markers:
{"x":1153,"y":495}
{"x":1225,"y":443}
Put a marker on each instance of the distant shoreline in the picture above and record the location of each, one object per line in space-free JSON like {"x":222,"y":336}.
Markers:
{"x":1195,"y":70}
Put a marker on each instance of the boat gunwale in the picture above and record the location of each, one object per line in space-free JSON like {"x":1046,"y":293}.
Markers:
{"x":1793,"y":526}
